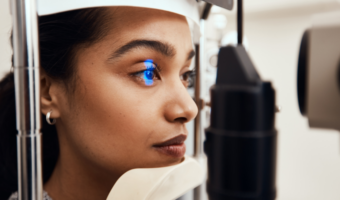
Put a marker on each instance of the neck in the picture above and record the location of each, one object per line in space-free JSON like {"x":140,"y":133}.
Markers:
{"x":75,"y":178}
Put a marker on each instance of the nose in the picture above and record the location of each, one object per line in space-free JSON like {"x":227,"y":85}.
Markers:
{"x":180,"y":107}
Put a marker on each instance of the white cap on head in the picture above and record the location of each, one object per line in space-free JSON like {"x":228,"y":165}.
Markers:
{"x":187,"y":8}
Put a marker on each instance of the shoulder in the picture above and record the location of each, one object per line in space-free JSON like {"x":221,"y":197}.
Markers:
{"x":14,"y":196}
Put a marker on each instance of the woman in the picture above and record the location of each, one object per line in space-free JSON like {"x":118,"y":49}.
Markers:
{"x":113,"y":80}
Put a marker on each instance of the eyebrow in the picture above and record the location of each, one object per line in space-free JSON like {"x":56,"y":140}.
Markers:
{"x":161,"y":47}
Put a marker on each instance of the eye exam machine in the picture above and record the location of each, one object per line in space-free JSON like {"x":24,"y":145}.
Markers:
{"x":240,"y":144}
{"x":241,"y":139}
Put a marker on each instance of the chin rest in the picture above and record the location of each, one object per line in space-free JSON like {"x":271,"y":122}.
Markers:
{"x":165,"y":183}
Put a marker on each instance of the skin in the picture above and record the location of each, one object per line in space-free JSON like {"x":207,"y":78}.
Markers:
{"x":112,"y":120}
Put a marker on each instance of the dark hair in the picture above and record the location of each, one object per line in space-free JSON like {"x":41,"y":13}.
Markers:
{"x":60,"y":36}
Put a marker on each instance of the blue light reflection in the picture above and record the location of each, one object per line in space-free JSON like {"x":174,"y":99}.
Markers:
{"x":149,"y":72}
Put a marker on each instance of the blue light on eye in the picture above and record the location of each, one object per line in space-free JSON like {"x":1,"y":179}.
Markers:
{"x":148,"y":73}
{"x":149,"y":64}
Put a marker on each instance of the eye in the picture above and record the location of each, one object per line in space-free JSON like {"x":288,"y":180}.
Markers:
{"x":188,"y":78}
{"x":149,"y":75}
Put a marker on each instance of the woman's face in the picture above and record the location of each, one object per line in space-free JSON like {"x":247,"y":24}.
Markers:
{"x":130,"y":96}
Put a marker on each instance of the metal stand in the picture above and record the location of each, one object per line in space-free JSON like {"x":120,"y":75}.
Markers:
{"x":27,"y":94}
{"x":200,"y":191}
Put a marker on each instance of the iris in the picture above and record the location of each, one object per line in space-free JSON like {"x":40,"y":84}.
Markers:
{"x":149,"y":72}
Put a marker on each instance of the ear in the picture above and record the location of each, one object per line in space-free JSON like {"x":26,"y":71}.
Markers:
{"x":48,"y":95}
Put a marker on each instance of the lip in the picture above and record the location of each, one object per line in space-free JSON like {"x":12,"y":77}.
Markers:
{"x":173,"y":147}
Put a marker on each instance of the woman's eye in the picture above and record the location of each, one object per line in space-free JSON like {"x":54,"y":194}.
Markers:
{"x":149,"y":75}
{"x":188,"y":78}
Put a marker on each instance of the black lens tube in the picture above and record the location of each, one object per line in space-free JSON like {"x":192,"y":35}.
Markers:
{"x":241,"y":140}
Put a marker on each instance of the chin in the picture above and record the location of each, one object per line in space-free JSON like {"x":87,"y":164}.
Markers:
{"x":166,"y":161}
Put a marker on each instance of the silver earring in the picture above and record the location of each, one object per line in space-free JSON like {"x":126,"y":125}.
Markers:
{"x":48,"y":119}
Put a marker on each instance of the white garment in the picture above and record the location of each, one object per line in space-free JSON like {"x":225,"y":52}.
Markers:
{"x":14,"y":196}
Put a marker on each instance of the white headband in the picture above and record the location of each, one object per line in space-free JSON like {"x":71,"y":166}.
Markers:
{"x":187,"y":8}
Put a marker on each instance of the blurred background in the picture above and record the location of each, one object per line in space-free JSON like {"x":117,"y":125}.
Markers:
{"x":308,"y":159}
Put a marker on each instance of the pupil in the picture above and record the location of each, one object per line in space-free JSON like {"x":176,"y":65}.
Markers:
{"x":149,"y":74}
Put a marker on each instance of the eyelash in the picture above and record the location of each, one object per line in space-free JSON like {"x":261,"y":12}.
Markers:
{"x":188,"y":78}
{"x":153,"y":73}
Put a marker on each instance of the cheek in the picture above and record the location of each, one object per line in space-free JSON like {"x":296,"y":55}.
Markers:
{"x":110,"y":102}
{"x":116,"y":119}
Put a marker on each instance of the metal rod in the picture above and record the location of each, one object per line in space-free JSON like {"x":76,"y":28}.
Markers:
{"x":197,"y":121}
{"x":199,"y":60}
{"x":199,"y":192}
{"x":239,"y":22}
{"x":27,"y":95}
{"x":198,"y":145}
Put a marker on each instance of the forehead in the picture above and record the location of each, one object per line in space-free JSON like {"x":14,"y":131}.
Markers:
{"x":138,"y":13}
{"x":145,"y":23}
